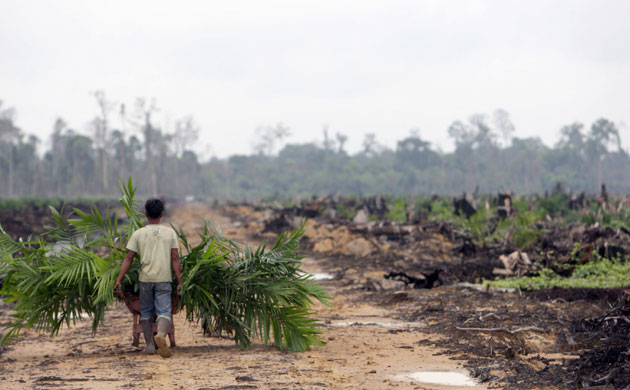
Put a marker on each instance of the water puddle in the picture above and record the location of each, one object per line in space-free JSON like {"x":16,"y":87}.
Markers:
{"x":446,"y":378}
{"x":322,"y":276}
{"x":482,"y":288}
{"x":384,"y":324}
{"x":367,"y":323}
{"x":318,"y":275}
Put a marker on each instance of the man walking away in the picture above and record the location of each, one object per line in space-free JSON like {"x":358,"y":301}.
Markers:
{"x":158,"y":250}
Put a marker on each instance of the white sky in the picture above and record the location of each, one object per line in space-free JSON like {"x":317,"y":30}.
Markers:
{"x":358,"y":66}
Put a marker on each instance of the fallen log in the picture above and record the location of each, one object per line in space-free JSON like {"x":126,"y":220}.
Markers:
{"x":429,"y":280}
{"x":516,"y":263}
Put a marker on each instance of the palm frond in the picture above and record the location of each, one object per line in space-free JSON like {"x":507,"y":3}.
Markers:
{"x":136,"y":219}
{"x":256,"y":292}
{"x":60,"y":231}
{"x":71,"y":267}
{"x":8,"y":248}
{"x":228,"y":287}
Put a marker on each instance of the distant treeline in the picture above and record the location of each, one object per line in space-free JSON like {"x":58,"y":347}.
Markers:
{"x":487,"y":158}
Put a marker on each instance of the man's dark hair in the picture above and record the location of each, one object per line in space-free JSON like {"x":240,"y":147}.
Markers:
{"x":154,"y":208}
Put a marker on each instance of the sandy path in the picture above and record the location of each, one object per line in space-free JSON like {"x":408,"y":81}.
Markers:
{"x":366,"y":349}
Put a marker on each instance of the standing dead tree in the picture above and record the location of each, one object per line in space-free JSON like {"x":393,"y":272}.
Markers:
{"x":102,"y":138}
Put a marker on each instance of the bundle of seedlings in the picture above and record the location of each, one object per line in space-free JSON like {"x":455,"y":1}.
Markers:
{"x":69,"y":272}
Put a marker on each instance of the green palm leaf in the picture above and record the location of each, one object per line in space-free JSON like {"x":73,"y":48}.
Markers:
{"x":250,"y":293}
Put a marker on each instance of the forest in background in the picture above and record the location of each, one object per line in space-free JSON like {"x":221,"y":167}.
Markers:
{"x":119,"y":143}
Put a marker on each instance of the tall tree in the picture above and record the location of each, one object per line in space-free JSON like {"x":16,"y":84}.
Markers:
{"x":341,"y":141}
{"x":186,"y":134}
{"x":102,"y":138}
{"x":504,"y":125}
{"x":572,"y":137}
{"x":329,"y":143}
{"x":602,"y":134}
{"x":9,"y":137}
{"x":143,"y":118}
{"x":270,"y":137}
{"x":57,"y":153}
{"x":413,"y":150}
{"x":371,"y":147}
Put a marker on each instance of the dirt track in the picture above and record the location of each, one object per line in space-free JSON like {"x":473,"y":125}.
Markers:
{"x":367,"y":348}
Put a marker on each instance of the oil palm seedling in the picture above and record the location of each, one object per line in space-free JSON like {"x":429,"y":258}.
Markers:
{"x":248,"y":292}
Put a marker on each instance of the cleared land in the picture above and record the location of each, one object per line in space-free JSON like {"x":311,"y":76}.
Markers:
{"x":367,"y":347}
{"x":380,"y":331}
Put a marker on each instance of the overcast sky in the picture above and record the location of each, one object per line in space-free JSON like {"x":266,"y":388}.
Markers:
{"x":359,"y":66}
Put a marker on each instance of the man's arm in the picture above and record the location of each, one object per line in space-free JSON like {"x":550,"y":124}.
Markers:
{"x":124,"y":268}
{"x":177,"y":268}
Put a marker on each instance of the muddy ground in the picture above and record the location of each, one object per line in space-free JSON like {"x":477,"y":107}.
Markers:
{"x":379,"y":331}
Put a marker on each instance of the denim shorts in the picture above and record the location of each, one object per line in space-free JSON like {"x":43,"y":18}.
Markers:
{"x":155,"y":295}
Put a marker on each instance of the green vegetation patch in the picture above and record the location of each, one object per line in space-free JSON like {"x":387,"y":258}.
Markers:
{"x":397,"y":209}
{"x":345,"y":212}
{"x":439,"y":210}
{"x":599,"y":273}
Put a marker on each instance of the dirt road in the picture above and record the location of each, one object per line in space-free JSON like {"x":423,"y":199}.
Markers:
{"x":366,"y":348}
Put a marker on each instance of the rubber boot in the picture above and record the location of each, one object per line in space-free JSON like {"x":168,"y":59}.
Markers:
{"x":164,"y":326}
{"x":147,"y":330}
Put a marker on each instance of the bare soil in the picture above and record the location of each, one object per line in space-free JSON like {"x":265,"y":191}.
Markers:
{"x":378,"y":330}
{"x":376,"y":337}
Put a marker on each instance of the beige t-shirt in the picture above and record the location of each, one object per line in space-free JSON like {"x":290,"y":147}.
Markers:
{"x":154,"y":243}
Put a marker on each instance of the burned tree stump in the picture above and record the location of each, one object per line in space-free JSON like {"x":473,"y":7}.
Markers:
{"x":429,"y":280}
{"x":462,"y":206}
{"x":504,"y":202}
{"x":577,"y":201}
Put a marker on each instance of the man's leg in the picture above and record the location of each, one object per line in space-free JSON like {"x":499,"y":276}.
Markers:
{"x":164,"y":316}
{"x":146,"y":314}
